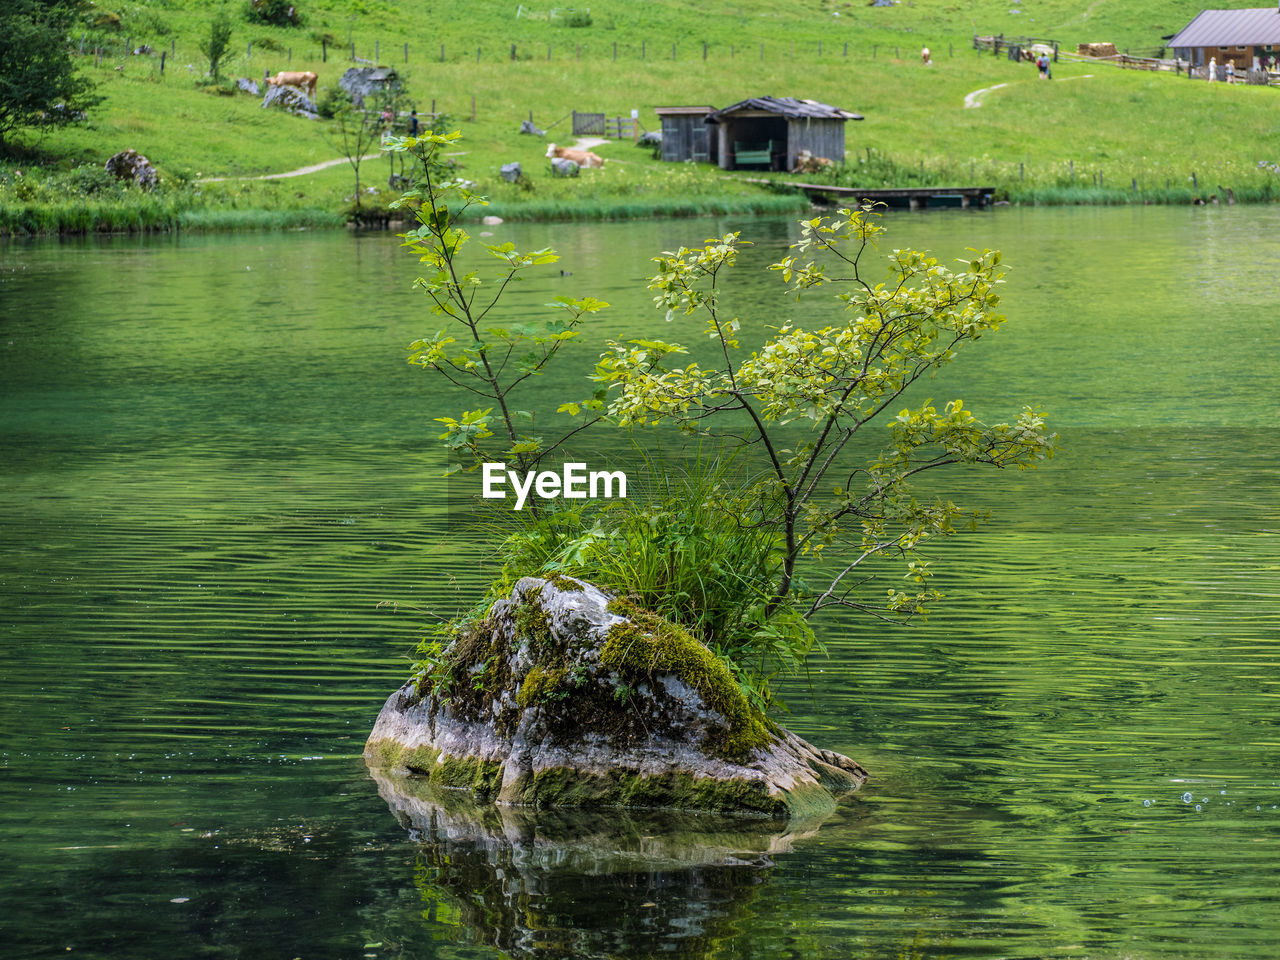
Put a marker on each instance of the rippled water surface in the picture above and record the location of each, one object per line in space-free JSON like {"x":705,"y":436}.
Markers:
{"x":221,"y":528}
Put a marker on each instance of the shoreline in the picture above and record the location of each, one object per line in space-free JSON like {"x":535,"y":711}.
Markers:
{"x":161,"y":218}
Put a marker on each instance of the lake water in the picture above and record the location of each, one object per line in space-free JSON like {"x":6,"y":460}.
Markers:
{"x":222,"y":529}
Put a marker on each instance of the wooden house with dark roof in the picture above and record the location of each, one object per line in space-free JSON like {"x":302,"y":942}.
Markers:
{"x":1246,"y":38}
{"x":771,"y":131}
{"x":686,"y":135}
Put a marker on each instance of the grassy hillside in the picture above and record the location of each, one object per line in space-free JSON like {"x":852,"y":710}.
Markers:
{"x":1094,"y":130}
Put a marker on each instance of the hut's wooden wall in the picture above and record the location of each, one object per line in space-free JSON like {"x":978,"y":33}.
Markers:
{"x":687,"y":137}
{"x":822,"y":138}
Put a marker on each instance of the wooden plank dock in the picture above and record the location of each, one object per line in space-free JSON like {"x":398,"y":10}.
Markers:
{"x":917,"y":198}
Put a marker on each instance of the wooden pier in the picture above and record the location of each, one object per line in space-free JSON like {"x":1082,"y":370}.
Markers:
{"x":917,"y":198}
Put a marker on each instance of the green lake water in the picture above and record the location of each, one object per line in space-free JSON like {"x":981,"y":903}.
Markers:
{"x":222,"y":526}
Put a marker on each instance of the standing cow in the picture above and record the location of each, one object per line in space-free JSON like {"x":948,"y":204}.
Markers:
{"x":303,"y":79}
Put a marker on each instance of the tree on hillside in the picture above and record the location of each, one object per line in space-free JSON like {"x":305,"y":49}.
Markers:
{"x":217,"y":46}
{"x":357,"y":131}
{"x":38,"y":82}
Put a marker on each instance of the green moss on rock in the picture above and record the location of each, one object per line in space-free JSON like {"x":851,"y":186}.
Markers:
{"x":646,"y":646}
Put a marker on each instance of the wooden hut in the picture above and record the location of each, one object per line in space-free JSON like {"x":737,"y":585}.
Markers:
{"x":686,"y":134}
{"x":771,"y":131}
{"x":1246,"y":38}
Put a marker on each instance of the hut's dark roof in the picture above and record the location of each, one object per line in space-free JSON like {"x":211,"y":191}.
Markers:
{"x":1230,"y":28}
{"x":788,"y":107}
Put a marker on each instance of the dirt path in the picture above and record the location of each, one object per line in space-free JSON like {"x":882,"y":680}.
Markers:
{"x":975,"y":99}
{"x":300,"y":172}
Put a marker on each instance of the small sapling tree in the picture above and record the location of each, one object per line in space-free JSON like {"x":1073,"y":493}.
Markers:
{"x":719,"y":555}
{"x":479,"y":350}
{"x":833,"y":483}
{"x":217,"y":45}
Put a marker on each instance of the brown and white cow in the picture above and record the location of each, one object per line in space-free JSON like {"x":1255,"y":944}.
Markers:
{"x":583,"y":158}
{"x":304,"y":79}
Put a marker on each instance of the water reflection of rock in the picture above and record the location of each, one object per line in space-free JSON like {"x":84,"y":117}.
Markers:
{"x":578,"y":883}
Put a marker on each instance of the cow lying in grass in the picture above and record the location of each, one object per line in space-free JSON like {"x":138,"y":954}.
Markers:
{"x":303,"y":79}
{"x":583,"y":158}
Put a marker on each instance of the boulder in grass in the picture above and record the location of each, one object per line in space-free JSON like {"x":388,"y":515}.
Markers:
{"x":131,"y":165}
{"x":562,"y":167}
{"x":291,"y":101}
{"x":511,"y":172}
{"x":562,"y":695}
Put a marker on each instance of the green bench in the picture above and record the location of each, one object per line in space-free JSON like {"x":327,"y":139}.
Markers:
{"x":744,"y":153}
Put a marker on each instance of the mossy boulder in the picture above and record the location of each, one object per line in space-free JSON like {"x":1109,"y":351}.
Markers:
{"x":564,"y":696}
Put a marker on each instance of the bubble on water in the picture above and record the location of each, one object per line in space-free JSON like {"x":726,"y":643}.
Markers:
{"x":1146,"y":803}
{"x":1186,"y":797}
{"x":1258,"y":807}
{"x":1198,"y":808}
{"x":1204,"y":799}
{"x":1222,"y":793}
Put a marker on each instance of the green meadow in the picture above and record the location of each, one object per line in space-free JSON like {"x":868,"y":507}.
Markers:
{"x":1094,"y":134}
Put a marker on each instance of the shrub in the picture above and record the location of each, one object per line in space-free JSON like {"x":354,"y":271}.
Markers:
{"x":278,"y":13}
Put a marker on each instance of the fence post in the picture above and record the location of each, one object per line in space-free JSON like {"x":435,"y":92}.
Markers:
{"x":731,"y":51}
{"x":477,"y":54}
{"x":324,"y":50}
{"x":433,"y":106}
{"x":513,"y":51}
{"x":128,"y":45}
{"x":579,"y":52}
{"x":248,"y":50}
{"x":762,"y":51}
{"x":97,"y":55}
{"x":673,"y":51}
{"x":1021,"y":172}
{"x":704,"y":49}
{"x":615,"y":51}
{"x":819,"y":48}
{"x":406,"y":53}
{"x":163,"y":54}
{"x":897,"y":53}
{"x":82,"y":39}
{"x":643,"y":43}
{"x":473,"y":107}
{"x":442,"y":53}
{"x":1072,"y":165}
{"x":846,"y":48}
{"x":548,"y":53}
{"x":173,"y":48}
{"x":291,"y":55}
{"x":353,"y":50}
